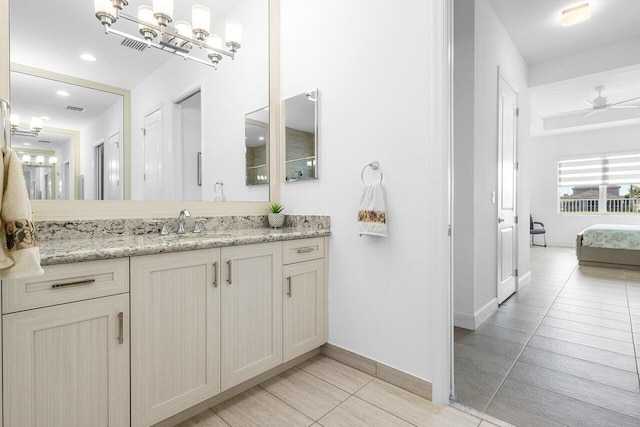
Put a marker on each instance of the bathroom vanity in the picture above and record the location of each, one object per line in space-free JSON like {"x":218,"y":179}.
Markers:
{"x":132,"y":330}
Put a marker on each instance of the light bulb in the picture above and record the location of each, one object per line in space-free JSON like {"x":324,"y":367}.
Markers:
{"x":15,"y":120}
{"x":201,"y":20}
{"x":145,"y":14}
{"x":35,"y":124}
{"x":53,"y":160}
{"x":233,"y":34}
{"x":163,"y":11}
{"x":26,"y":158}
{"x":184,"y":29}
{"x":105,"y":11}
{"x":39,"y":159}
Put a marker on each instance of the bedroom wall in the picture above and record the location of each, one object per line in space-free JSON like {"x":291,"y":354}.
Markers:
{"x":493,"y":48}
{"x":545,"y":153}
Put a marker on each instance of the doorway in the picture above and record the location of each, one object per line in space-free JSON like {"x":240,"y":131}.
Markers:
{"x":188,"y":120}
{"x":153,"y":160}
{"x":99,"y":169}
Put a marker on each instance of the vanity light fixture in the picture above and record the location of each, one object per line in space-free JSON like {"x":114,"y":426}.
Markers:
{"x":26,"y":158}
{"x":35,"y":126}
{"x":53,"y":160}
{"x":575,"y":15}
{"x":179,"y":39}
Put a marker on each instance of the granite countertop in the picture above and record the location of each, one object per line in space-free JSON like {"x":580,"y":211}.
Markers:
{"x":63,"y":251}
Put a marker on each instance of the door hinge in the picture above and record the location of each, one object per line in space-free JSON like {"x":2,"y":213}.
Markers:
{"x":516,"y":165}
{"x":516,"y":219}
{"x":144,"y":176}
{"x":517,"y":112}
{"x":144,"y":131}
{"x":516,"y":272}
{"x":449,"y":231}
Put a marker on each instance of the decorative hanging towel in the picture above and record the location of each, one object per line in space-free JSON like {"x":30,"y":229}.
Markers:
{"x":372,"y":217}
{"x":19,"y":254}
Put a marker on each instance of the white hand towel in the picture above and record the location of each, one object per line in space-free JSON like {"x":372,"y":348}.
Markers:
{"x":19,"y":254}
{"x":372,"y":217}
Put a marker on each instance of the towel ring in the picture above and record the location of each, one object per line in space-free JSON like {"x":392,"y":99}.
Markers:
{"x":375,"y":165}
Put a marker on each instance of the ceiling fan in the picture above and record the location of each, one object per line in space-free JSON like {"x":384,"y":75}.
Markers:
{"x":601,"y":103}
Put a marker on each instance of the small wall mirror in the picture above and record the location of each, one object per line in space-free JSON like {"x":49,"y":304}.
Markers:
{"x":256,"y":139}
{"x":301,"y":136}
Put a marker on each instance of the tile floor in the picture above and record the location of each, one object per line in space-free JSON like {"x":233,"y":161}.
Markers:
{"x":323,"y":392}
{"x":563,"y":351}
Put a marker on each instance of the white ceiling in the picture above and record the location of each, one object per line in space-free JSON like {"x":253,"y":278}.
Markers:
{"x":534,"y":26}
{"x":52,"y":34}
{"x":56,"y":141}
{"x":300,"y":113}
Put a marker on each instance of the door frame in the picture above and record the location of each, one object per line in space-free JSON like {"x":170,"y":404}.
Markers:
{"x":514,"y":88}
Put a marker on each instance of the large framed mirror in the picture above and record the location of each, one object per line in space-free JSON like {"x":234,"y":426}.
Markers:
{"x":156,"y":127}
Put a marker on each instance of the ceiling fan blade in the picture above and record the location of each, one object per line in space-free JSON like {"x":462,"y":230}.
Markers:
{"x":589,"y":103}
{"x":625,"y":101}
{"x":565,"y":113}
{"x":613,"y":106}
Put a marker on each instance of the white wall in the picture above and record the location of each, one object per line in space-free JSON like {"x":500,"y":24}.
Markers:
{"x":476,"y":215}
{"x":235,"y":89}
{"x":372,"y":65}
{"x":101,"y":128}
{"x":545,"y":153}
{"x":65,"y":154}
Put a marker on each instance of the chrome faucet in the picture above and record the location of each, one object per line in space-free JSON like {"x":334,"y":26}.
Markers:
{"x":184,"y":213}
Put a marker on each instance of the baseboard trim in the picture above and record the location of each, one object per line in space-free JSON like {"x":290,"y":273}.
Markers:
{"x":234,"y":391}
{"x":464,"y":320}
{"x":379,"y":370}
{"x":485,"y":312}
{"x":524,"y":280}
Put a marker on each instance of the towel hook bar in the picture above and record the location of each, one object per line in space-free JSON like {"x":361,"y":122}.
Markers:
{"x":5,"y":106}
{"x":375,"y":165}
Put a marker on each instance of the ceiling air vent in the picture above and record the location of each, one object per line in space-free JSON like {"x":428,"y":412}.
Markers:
{"x":76,"y":109}
{"x":44,"y":142}
{"x":134,"y":44}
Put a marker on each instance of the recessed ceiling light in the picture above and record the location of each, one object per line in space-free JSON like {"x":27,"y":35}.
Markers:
{"x":26,"y":143}
{"x":261,"y":138}
{"x":575,"y":15}
{"x":62,"y":93}
{"x":45,"y":118}
{"x":88,"y":57}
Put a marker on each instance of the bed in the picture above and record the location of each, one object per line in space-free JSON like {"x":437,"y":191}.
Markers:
{"x":608,"y":245}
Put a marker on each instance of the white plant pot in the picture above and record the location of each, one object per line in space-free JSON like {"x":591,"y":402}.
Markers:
{"x":276,"y":220}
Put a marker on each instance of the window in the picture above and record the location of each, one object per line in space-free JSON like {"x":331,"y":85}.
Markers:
{"x":600,"y":185}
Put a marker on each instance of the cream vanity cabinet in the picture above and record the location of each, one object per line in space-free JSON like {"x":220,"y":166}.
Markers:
{"x":304,"y":304}
{"x":66,"y":346}
{"x":175,"y":337}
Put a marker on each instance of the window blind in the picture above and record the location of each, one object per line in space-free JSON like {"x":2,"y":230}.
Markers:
{"x":595,"y":171}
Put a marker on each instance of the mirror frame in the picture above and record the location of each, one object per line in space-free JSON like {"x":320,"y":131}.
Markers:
{"x":58,"y":210}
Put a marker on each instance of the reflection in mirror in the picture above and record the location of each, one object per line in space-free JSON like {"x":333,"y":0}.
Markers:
{"x":182,"y":128}
{"x":256,"y":138}
{"x":301,"y":136}
{"x":74,"y":120}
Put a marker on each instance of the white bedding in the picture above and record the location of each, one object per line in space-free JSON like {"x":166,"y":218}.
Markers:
{"x":612,"y":236}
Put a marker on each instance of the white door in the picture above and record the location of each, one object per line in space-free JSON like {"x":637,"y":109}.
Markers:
{"x":64,"y":182}
{"x":507,"y":168}
{"x":113,"y":167}
{"x":153,"y":181}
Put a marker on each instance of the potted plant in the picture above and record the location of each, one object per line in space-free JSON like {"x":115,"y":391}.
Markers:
{"x":276,"y":217}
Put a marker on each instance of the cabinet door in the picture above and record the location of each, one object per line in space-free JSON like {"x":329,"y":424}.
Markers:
{"x":68,"y":365}
{"x":251,"y":311}
{"x":303,"y":308}
{"x":175,"y":302}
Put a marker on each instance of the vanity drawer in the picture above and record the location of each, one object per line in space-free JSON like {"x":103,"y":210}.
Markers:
{"x":65,"y":283}
{"x":302,"y":250}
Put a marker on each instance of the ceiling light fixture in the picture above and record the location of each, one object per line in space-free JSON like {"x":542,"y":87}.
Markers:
{"x":62,"y":93}
{"x":88,"y":57}
{"x":575,"y":15}
{"x":45,"y":118}
{"x":35,"y":126}
{"x":153,"y":25}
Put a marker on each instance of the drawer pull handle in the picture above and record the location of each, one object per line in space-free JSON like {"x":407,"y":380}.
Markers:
{"x":215,"y":274}
{"x":229,"y":277}
{"x":289,"y":291}
{"x":78,"y":283}
{"x":121,"y":328}
{"x":305,"y":250}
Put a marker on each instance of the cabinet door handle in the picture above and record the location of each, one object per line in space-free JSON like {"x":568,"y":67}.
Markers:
{"x":78,"y":283}
{"x":229,"y":277}
{"x":121,"y":328}
{"x":305,"y":250}
{"x":289,"y":291}
{"x":215,"y":274}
